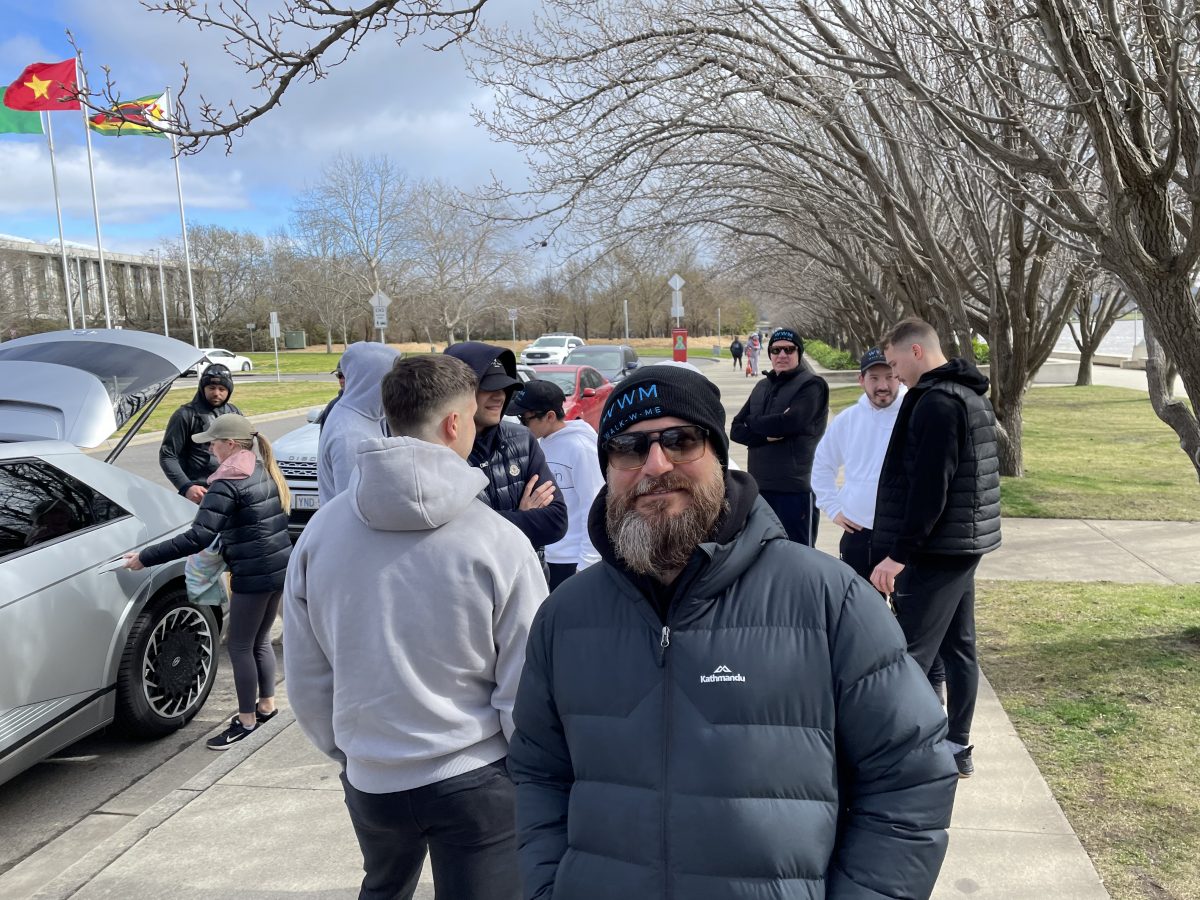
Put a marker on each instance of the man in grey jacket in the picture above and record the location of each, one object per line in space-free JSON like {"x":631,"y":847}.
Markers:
{"x":714,"y":710}
{"x":409,"y":603}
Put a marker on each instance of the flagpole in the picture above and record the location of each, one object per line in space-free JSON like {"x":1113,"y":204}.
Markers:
{"x":87,"y":133}
{"x":187,"y":253}
{"x":162,"y":293}
{"x":62,"y":241}
{"x":82,"y":286}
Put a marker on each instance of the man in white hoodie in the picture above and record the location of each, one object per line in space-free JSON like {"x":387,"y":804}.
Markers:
{"x":857,"y":439}
{"x":409,"y":602}
{"x":571,"y":455}
{"x":357,"y":416}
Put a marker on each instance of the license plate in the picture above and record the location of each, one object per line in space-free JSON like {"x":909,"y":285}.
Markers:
{"x":306,"y":501}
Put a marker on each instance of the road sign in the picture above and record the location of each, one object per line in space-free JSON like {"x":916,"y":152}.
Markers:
{"x":275,"y":325}
{"x":512,"y":315}
{"x":381,"y":317}
{"x":676,"y":283}
{"x":379,"y":300}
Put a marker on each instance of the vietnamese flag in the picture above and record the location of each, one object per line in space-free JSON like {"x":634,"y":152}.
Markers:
{"x":44,"y":86}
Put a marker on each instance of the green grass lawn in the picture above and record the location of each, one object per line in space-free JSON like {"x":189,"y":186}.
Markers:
{"x":1093,"y":453}
{"x":295,"y":363}
{"x":1101,"y":682}
{"x":252,"y":399}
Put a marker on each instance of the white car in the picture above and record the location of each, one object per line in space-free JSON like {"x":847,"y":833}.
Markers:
{"x":550,"y":349}
{"x":231,"y":361}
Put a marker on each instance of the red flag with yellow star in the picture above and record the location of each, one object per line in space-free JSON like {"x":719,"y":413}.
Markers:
{"x":44,"y":86}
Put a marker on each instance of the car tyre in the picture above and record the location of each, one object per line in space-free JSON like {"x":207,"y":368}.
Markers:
{"x":168,"y":667}
{"x":245,"y":367}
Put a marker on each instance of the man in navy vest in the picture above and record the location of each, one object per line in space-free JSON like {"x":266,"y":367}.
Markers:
{"x":937,"y":513}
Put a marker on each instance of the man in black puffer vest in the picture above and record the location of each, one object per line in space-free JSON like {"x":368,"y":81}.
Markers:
{"x":713,"y":710}
{"x":938,"y":512}
{"x":520,"y":484}
{"x":782,"y":421}
{"x":186,"y":464}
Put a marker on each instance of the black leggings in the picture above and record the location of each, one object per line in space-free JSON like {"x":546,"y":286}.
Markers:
{"x":250,"y":619}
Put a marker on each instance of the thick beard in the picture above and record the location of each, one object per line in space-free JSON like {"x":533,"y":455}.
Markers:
{"x":650,"y":541}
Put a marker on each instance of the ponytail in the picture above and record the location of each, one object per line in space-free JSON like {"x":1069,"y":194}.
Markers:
{"x":272,"y":467}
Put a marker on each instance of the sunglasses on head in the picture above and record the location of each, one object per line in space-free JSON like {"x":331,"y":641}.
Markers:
{"x":680,"y":444}
{"x":786,"y":351}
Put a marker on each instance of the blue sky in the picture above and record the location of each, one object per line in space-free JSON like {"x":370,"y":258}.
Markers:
{"x":408,"y":103}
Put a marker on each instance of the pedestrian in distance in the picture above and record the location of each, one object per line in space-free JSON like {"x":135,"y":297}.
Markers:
{"x":752,"y":347}
{"x":358,"y":415}
{"x":520,"y":485}
{"x":187,"y":464}
{"x":937,"y":513}
{"x":854,"y":444}
{"x":714,"y":710}
{"x":735,"y":350}
{"x":245,"y":506}
{"x":408,"y":604}
{"x":570,"y":449}
{"x":781,"y":422}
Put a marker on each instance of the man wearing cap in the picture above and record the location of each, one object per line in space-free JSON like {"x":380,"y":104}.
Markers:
{"x":781,"y":422}
{"x":520,"y":485}
{"x":714,"y":710}
{"x":186,"y":464}
{"x":341,"y":378}
{"x":857,"y":440}
{"x":357,"y":417}
{"x":570,"y":449}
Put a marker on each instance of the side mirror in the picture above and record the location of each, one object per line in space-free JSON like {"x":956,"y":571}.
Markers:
{"x":589,"y":392}
{"x":314,"y":413}
{"x":631,"y":365}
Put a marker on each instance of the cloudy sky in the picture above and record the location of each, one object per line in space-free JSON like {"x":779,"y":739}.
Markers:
{"x":410,"y":104}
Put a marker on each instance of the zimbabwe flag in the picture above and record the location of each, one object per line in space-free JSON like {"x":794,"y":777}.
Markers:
{"x":137,"y":113}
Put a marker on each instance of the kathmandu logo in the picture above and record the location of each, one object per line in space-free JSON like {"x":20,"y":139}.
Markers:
{"x":721,"y":673}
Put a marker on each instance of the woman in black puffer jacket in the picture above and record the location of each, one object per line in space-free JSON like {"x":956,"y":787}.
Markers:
{"x":246,"y":507}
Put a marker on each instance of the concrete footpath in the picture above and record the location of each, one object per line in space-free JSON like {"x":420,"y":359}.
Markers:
{"x":266,"y":819}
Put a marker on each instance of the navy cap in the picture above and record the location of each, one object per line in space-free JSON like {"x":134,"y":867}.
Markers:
{"x":873,"y":357}
{"x":538,"y":397}
{"x":496,"y":378}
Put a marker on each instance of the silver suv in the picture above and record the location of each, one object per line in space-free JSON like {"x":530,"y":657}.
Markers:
{"x":550,"y":349}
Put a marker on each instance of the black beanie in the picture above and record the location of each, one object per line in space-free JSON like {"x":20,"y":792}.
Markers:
{"x":658,"y":391}
{"x":217,"y":373}
{"x":786,"y":334}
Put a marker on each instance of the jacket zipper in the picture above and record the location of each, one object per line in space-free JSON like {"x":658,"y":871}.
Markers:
{"x":663,"y":644}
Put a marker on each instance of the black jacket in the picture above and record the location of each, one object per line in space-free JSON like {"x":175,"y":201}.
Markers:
{"x":939,"y":489}
{"x":793,"y":406}
{"x":184,"y":462}
{"x":252,"y":525}
{"x":509,"y":455}
{"x":772,"y":739}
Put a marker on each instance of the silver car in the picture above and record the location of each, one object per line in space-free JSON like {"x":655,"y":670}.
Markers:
{"x":84,"y":642}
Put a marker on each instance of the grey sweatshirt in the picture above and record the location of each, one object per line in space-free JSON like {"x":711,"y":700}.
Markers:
{"x":408,"y":604}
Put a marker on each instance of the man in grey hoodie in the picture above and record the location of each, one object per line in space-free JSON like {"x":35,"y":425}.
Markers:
{"x":403,"y":666}
{"x":357,"y":416}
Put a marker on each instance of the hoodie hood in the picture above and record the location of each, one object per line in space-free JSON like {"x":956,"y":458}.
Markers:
{"x":405,"y":484}
{"x":479,"y":357}
{"x":959,"y":370}
{"x":364,"y":364}
{"x":237,"y":466}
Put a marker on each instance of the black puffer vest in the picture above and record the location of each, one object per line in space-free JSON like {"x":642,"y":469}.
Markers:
{"x":970,"y":522}
{"x":506,"y":466}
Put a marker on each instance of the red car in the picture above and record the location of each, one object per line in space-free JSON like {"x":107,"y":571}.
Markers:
{"x":586,"y":390}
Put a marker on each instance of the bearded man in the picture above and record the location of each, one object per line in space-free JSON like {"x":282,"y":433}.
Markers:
{"x":714,"y":711}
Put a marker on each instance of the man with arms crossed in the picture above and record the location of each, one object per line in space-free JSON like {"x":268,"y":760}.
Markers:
{"x":937,"y":513}
{"x":714,"y":710}
{"x":408,"y":606}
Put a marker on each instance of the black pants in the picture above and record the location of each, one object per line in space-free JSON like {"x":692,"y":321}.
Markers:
{"x":467,"y":823}
{"x":249,"y":643}
{"x":559,"y":572}
{"x":737,"y":361}
{"x":935,"y":606}
{"x":797,"y":512}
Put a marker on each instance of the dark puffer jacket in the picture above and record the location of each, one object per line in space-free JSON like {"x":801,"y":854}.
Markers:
{"x":509,"y":455}
{"x":772,"y":740}
{"x":939,"y":489}
{"x":252,"y":524}
{"x":792,"y":406}
{"x":183,"y":461}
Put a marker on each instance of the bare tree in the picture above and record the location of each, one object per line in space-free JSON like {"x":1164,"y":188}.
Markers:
{"x":230,"y":270}
{"x":1096,"y":312}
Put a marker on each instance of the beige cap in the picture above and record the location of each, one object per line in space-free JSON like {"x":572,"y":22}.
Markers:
{"x":229,"y":427}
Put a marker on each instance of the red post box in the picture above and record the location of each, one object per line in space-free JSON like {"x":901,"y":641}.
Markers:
{"x":679,"y":344}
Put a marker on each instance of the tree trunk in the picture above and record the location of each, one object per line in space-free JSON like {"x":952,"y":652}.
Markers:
{"x":1084,"y":376}
{"x":1009,"y":431}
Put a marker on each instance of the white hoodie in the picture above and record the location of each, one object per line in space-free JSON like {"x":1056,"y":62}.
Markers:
{"x":573,"y":458}
{"x":857,"y":439}
{"x":408,"y":604}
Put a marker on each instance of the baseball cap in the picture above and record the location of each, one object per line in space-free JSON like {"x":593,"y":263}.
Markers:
{"x":538,"y":397}
{"x":873,"y":357}
{"x":229,"y":427}
{"x":496,"y":378}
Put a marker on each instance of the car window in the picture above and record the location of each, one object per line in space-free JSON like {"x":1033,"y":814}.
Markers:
{"x":590,"y":378}
{"x":605,"y":360}
{"x":40,"y":503}
{"x":549,"y":342}
{"x":221,"y":353}
{"x":565,"y":380}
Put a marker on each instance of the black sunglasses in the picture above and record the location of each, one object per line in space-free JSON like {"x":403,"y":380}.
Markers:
{"x":680,"y":444}
{"x":787,"y":351}
{"x":526,"y":418}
